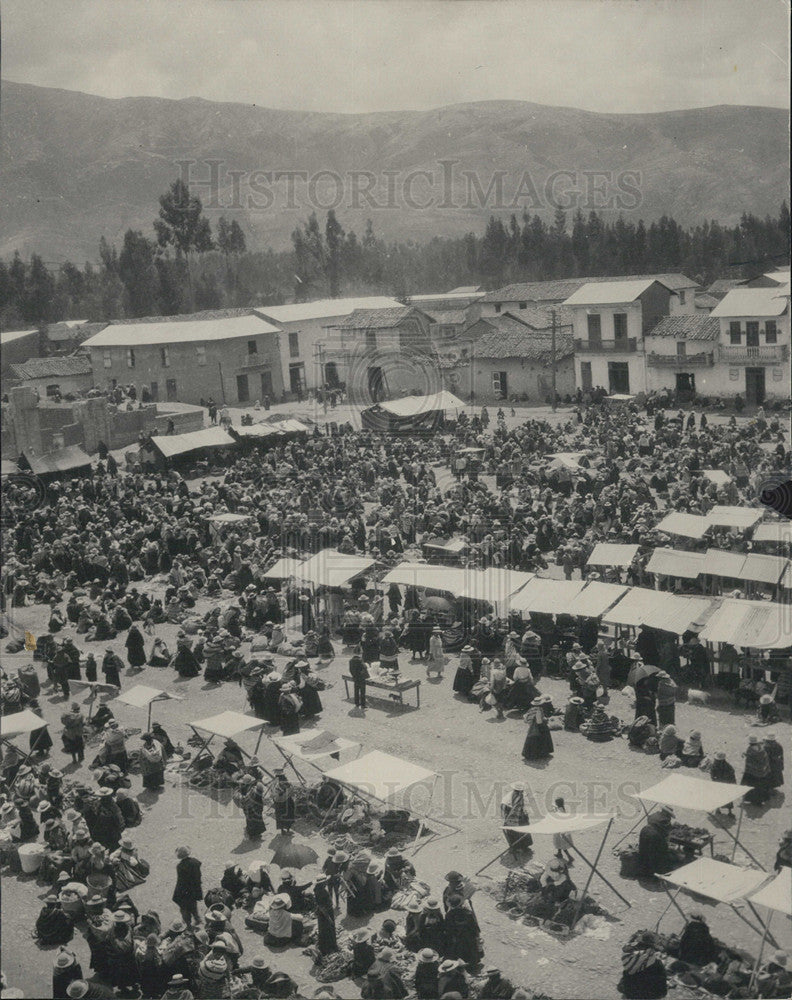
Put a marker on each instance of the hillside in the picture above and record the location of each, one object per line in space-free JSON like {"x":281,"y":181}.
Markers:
{"x":75,"y":167}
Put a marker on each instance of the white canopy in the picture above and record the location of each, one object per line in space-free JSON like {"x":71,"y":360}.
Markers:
{"x":688,"y":525}
{"x":330,"y":568}
{"x":681,"y":792}
{"x":283,"y":569}
{"x":20,"y":724}
{"x":551,"y":597}
{"x":229,"y":518}
{"x":612,"y":554}
{"x":671,"y":562}
{"x":595,"y":599}
{"x":750,"y":624}
{"x":171,"y":445}
{"x":726,"y":516}
{"x":726,"y":564}
{"x":455,"y":545}
{"x":717,"y":476}
{"x":676,"y":612}
{"x":314,"y":744}
{"x":494,"y":584}
{"x":763,"y":569}
{"x":776,"y":894}
{"x":779,"y":532}
{"x":451,"y":579}
{"x":561,"y":823}
{"x":228,"y":724}
{"x":634,"y":608}
{"x":141,"y":695}
{"x":716,"y":880}
{"x":410,"y":406}
{"x":380,"y":775}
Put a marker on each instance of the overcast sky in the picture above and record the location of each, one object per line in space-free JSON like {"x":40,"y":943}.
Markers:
{"x":383,"y":55}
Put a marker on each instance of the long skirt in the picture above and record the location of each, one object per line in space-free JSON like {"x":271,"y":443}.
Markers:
{"x":666,"y":714}
{"x":463,"y":681}
{"x":538,"y":742}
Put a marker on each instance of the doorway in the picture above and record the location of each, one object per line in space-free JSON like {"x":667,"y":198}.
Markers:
{"x":331,"y":375}
{"x":266,"y":385}
{"x":619,"y":378}
{"x":170,"y":390}
{"x":154,"y":392}
{"x":243,"y":389}
{"x":586,"y":383}
{"x":500,"y":384}
{"x":376,"y":384}
{"x":297,"y":379}
{"x":754,"y":386}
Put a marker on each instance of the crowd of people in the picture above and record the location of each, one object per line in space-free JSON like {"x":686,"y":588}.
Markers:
{"x":96,"y":548}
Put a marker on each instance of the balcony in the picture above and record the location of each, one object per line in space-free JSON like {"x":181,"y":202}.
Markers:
{"x":626,"y":345}
{"x":680,"y":360}
{"x":256,"y":361}
{"x":767,"y":354}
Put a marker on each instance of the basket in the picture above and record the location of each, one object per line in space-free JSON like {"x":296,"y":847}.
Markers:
{"x":30,"y":857}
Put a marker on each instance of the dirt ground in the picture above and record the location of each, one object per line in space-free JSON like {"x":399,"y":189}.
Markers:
{"x":476,"y":756}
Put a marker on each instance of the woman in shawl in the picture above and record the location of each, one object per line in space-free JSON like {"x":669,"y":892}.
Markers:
{"x":461,"y":933}
{"x":389,"y":650}
{"x":775,"y":754}
{"x":523,"y":690}
{"x":184,"y":662}
{"x":160,"y":654}
{"x":213,"y":978}
{"x":538,"y":743}
{"x":308,"y":687}
{"x":152,"y":762}
{"x":325,"y":917}
{"x":464,"y":679}
{"x":666,"y":699}
{"x":669,"y":743}
{"x":283,"y":802}
{"x":53,"y":926}
{"x":756,"y":772}
{"x":513,"y":813}
{"x":253,"y":805}
{"x":413,"y":636}
{"x":324,"y":646}
{"x":136,"y":653}
{"x":431,"y":926}
{"x":289,"y":706}
{"x":128,"y":870}
{"x":692,"y":750}
{"x":643,"y":972}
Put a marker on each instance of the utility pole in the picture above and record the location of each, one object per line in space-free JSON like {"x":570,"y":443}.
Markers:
{"x":553,"y":356}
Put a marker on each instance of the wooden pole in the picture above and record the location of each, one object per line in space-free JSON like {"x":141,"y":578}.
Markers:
{"x":591,"y":875}
{"x":755,"y":972}
{"x":553,"y":357}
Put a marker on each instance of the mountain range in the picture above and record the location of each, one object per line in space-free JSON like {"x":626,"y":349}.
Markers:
{"x":75,"y":167}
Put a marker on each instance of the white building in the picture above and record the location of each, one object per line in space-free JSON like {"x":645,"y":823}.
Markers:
{"x":610,"y":320}
{"x":302,"y":324}
{"x":682,"y":355}
{"x":753,"y":347}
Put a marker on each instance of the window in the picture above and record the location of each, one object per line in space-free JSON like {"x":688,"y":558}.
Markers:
{"x":497,"y":307}
{"x":53,"y":390}
{"x":371,"y":339}
{"x":107,"y":359}
{"x":523,"y":305}
{"x":294,"y":345}
{"x":130,"y":357}
{"x":252,"y":347}
{"x":771,"y":331}
{"x":201,"y":353}
{"x":681,"y":293}
{"x":734,"y":333}
{"x":620,"y":325}
{"x":681,"y":348}
{"x":594,"y":326}
{"x":165,"y":357}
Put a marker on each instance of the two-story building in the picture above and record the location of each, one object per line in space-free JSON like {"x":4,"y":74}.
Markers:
{"x":753,"y":348}
{"x":303,"y":325}
{"x":231,"y":355}
{"x":681,"y":355}
{"x":382,"y":354}
{"x":610,"y":321}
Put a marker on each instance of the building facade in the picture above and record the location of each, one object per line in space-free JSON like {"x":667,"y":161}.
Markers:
{"x":381,"y":354}
{"x":232,"y":356}
{"x":682,"y":355}
{"x":303,"y":325}
{"x":610,"y":321}
{"x":54,"y":377}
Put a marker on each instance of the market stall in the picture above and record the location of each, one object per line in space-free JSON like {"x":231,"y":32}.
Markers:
{"x":612,"y":554}
{"x":775,"y":896}
{"x":22,"y":723}
{"x":686,"y":525}
{"x":226,"y":725}
{"x":143,"y":696}
{"x":315,"y":747}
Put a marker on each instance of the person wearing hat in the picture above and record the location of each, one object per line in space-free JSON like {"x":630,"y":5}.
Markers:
{"x":514,"y":813}
{"x":756,"y":771}
{"x":767,"y":711}
{"x":325,"y":916}
{"x":436,"y":662}
{"x":128,"y":869}
{"x":178,"y":988}
{"x":53,"y":926}
{"x":431,"y":926}
{"x":696,"y":944}
{"x":383,"y":981}
{"x":496,"y":985}
{"x":692,"y":750}
{"x":65,"y":969}
{"x":213,"y":978}
{"x":462,"y":939}
{"x":188,"y":891}
{"x":81,"y":989}
{"x":538,"y":744}
{"x":468,"y":672}
{"x":775,"y":755}
{"x":363,"y":954}
{"x":451,"y":979}
{"x":723,"y":772}
{"x":283,"y":927}
{"x":152,"y":762}
{"x":426,"y":974}
{"x":654,"y":854}
{"x":643,"y":973}
{"x":73,"y":735}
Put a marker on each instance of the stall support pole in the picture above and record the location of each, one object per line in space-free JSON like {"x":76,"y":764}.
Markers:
{"x":737,"y":843}
{"x":737,"y":832}
{"x":755,"y":972}
{"x":591,"y":875}
{"x":499,"y":856}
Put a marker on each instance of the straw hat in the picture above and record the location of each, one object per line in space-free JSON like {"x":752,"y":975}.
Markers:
{"x":431,"y":903}
{"x":450,"y":964}
{"x":64,"y":959}
{"x":361,"y":936}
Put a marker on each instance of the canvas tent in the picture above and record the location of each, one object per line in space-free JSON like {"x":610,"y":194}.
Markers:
{"x":716,"y":476}
{"x":494,"y":585}
{"x":70,"y":461}
{"x":560,"y":823}
{"x":595,"y":599}
{"x":283,"y":569}
{"x":672,"y":562}
{"x":143,"y":696}
{"x":388,"y":780}
{"x":449,"y":579}
{"x":681,"y":792}
{"x":550,"y":597}
{"x":750,"y":624}
{"x":775,"y":896}
{"x":634,"y":607}
{"x":779,"y":532}
{"x":330,"y":568}
{"x":226,"y":725}
{"x":687,"y":525}
{"x":220,"y":523}
{"x":612,"y":554}
{"x":313,"y":747}
{"x":412,"y":413}
{"x":742,"y":518}
{"x":22,"y":723}
{"x":170,"y":446}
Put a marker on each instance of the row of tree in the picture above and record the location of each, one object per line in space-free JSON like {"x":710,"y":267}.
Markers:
{"x":185,"y":267}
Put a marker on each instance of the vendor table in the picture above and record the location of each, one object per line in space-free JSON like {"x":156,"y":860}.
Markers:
{"x":693,"y":845}
{"x":395,"y":691}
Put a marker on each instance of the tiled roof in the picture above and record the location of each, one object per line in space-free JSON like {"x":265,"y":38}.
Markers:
{"x":706,"y":301}
{"x":723,"y":285}
{"x":562,"y":288}
{"x":687,"y":327}
{"x":52,"y":367}
{"x":448,"y":317}
{"x":521,"y":344}
{"x":375,"y":319}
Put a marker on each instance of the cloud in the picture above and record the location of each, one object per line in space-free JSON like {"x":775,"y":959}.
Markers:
{"x":377,"y":55}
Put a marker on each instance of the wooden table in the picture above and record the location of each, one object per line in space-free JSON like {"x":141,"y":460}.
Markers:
{"x":694,"y":846}
{"x":395,"y":691}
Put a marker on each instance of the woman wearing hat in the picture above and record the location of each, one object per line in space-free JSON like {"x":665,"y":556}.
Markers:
{"x":643,"y":973}
{"x":436,"y":662}
{"x":65,"y":970}
{"x":462,"y":940}
{"x":431,"y":926}
{"x":325,"y":916}
{"x":188,"y":891}
{"x":152,"y":762}
{"x":538,"y":743}
{"x":426,"y":974}
{"x":73,"y":735}
{"x":756,"y":771}
{"x":213,"y":978}
{"x":363,"y":954}
{"x":465,"y":677}
{"x":128,"y":869}
{"x":775,"y":754}
{"x":289,"y":706}
{"x":692,"y":750}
